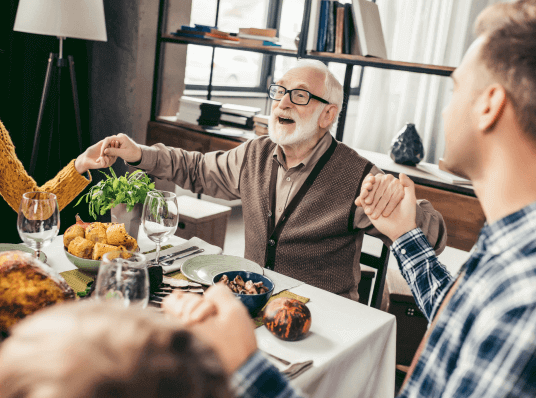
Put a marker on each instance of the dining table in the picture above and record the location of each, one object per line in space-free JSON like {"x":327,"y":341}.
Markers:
{"x":351,"y":345}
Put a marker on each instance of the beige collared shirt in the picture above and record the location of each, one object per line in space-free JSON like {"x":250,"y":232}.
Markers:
{"x":217,"y":174}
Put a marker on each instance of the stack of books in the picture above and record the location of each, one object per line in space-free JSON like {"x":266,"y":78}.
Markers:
{"x":260,"y":124}
{"x":199,"y":111}
{"x":238,"y":115}
{"x":258,"y":37}
{"x":204,"y":32}
{"x":351,"y":28}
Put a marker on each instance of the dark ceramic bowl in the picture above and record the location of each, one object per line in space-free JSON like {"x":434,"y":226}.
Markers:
{"x":253,"y":302}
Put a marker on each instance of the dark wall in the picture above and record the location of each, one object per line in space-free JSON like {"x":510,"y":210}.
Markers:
{"x":106,"y":75}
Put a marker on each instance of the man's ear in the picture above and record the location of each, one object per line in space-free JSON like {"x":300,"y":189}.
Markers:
{"x":327,"y":116}
{"x":491,"y":105}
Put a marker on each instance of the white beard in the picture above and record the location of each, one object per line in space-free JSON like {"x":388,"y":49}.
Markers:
{"x":303,"y":132}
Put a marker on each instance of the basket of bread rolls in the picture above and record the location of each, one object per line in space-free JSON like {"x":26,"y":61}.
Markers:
{"x":86,"y":243}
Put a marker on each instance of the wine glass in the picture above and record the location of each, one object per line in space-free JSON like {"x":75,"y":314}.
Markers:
{"x":160,"y":217}
{"x":38,"y":222}
{"x":123,"y":277}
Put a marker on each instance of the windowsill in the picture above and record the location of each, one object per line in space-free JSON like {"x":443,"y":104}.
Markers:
{"x":243,"y":94}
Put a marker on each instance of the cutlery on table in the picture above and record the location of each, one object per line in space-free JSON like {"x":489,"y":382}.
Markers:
{"x":171,"y":260}
{"x":168,"y":256}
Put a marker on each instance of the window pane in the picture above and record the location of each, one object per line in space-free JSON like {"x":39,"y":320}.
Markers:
{"x":291,"y":21}
{"x":232,"y":68}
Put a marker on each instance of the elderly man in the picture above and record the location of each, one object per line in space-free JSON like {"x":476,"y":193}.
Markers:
{"x":297,"y":186}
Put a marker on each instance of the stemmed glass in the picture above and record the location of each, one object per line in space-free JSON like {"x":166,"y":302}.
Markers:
{"x":38,"y":222}
{"x":160,"y":217}
{"x":123,"y":277}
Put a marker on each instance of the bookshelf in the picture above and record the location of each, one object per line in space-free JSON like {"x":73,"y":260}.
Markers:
{"x":164,"y":38}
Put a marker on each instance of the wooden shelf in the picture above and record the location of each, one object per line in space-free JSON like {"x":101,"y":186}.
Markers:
{"x":232,"y":45}
{"x":381,"y":63}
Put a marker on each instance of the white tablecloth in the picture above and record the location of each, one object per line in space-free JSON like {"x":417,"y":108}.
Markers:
{"x":352,"y":345}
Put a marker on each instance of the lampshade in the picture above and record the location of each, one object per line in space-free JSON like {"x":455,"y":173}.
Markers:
{"x":80,"y":19}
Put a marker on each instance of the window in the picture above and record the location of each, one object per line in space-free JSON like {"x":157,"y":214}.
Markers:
{"x":235,"y":70}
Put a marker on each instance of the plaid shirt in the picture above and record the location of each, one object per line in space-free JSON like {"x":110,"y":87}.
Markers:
{"x":484,"y":342}
{"x":257,"y":378}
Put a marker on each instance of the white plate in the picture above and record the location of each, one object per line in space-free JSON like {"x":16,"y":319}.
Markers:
{"x":202,"y":269}
{"x":4,"y":247}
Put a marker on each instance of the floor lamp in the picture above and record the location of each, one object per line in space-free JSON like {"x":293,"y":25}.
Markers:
{"x":80,"y":19}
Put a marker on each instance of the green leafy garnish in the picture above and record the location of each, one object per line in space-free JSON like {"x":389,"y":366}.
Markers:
{"x":129,"y":189}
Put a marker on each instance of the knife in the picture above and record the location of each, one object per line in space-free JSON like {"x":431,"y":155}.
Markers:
{"x":175,"y":257}
{"x":167,"y":256}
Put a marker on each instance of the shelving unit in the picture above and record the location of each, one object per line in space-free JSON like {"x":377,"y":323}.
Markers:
{"x":348,"y":60}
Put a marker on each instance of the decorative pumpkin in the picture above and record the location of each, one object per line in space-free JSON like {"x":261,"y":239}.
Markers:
{"x":288,"y":319}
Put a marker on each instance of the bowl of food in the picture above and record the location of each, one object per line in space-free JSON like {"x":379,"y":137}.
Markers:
{"x":252,"y":289}
{"x":86,"y":243}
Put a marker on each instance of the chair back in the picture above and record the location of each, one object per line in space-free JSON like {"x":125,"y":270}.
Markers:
{"x":380,"y":264}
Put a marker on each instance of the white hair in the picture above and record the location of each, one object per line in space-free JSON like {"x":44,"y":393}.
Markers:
{"x":333,"y":91}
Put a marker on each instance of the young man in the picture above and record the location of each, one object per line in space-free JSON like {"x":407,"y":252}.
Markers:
{"x":481,"y":339}
{"x":297,"y":186}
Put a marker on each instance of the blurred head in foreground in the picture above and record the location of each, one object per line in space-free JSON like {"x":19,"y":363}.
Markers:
{"x":93,"y":350}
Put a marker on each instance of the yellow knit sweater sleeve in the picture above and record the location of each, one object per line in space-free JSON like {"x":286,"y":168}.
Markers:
{"x":15,"y":181}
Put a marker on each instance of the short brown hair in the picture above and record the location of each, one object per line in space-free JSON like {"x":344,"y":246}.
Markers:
{"x":91,"y":349}
{"x":509,"y":52}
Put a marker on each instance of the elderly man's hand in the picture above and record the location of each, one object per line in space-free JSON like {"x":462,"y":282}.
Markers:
{"x":121,"y":146}
{"x":92,"y":159}
{"x":402,"y":218}
{"x":218,"y":319}
{"x":380,"y":194}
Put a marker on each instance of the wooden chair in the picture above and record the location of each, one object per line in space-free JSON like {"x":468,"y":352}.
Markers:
{"x":380,"y":264}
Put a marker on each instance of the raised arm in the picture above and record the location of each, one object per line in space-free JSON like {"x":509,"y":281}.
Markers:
{"x":380,"y":194}
{"x":68,"y":183}
{"x":216,"y":173}
{"x":416,"y":258}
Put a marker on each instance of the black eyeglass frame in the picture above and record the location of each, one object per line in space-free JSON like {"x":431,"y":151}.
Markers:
{"x":289,"y":92}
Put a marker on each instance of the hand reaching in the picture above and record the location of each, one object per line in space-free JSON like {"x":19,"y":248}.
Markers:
{"x":219,"y":320}
{"x":402,"y":218}
{"x":380,"y":194}
{"x":92,"y":159}
{"x":121,"y":146}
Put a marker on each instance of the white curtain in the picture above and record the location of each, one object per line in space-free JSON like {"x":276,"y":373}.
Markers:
{"x":436,"y":32}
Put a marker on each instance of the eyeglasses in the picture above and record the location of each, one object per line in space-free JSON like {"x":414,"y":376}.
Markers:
{"x":297,"y":96}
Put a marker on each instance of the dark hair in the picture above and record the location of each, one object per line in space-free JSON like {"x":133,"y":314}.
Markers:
{"x":509,"y":52}
{"x":91,"y":349}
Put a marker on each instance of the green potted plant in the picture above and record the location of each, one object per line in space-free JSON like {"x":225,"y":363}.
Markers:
{"x":123,"y":196}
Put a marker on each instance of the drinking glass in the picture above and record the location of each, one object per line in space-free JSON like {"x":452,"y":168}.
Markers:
{"x":160,"y":217}
{"x":123,"y":277}
{"x":38,"y":222}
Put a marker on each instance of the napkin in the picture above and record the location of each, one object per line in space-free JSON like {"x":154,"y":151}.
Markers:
{"x":176,"y":266}
{"x":291,"y":370}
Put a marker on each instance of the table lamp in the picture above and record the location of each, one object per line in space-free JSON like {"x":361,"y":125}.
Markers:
{"x":80,"y":19}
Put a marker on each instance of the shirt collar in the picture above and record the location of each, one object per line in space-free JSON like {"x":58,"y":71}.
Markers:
{"x":510,"y":232}
{"x":317,"y":152}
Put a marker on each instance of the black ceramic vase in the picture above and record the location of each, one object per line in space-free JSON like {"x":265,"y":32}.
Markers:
{"x":406,"y":147}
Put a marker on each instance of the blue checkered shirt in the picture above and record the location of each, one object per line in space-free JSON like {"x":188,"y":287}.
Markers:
{"x":484,"y":342}
{"x":257,"y":378}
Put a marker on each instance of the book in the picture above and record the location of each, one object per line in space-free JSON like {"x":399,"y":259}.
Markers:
{"x":368,"y":25}
{"x":261,"y":119}
{"x":339,"y":29}
{"x":330,"y":30}
{"x":181,"y":33}
{"x":260,"y":129}
{"x":268,"y":32}
{"x":256,"y":37}
{"x":314,"y":19}
{"x":236,"y":121}
{"x":322,"y":25}
{"x":241,"y":110}
{"x":443,"y":175}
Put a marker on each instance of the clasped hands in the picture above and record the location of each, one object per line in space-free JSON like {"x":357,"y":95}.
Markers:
{"x":389,"y":203}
